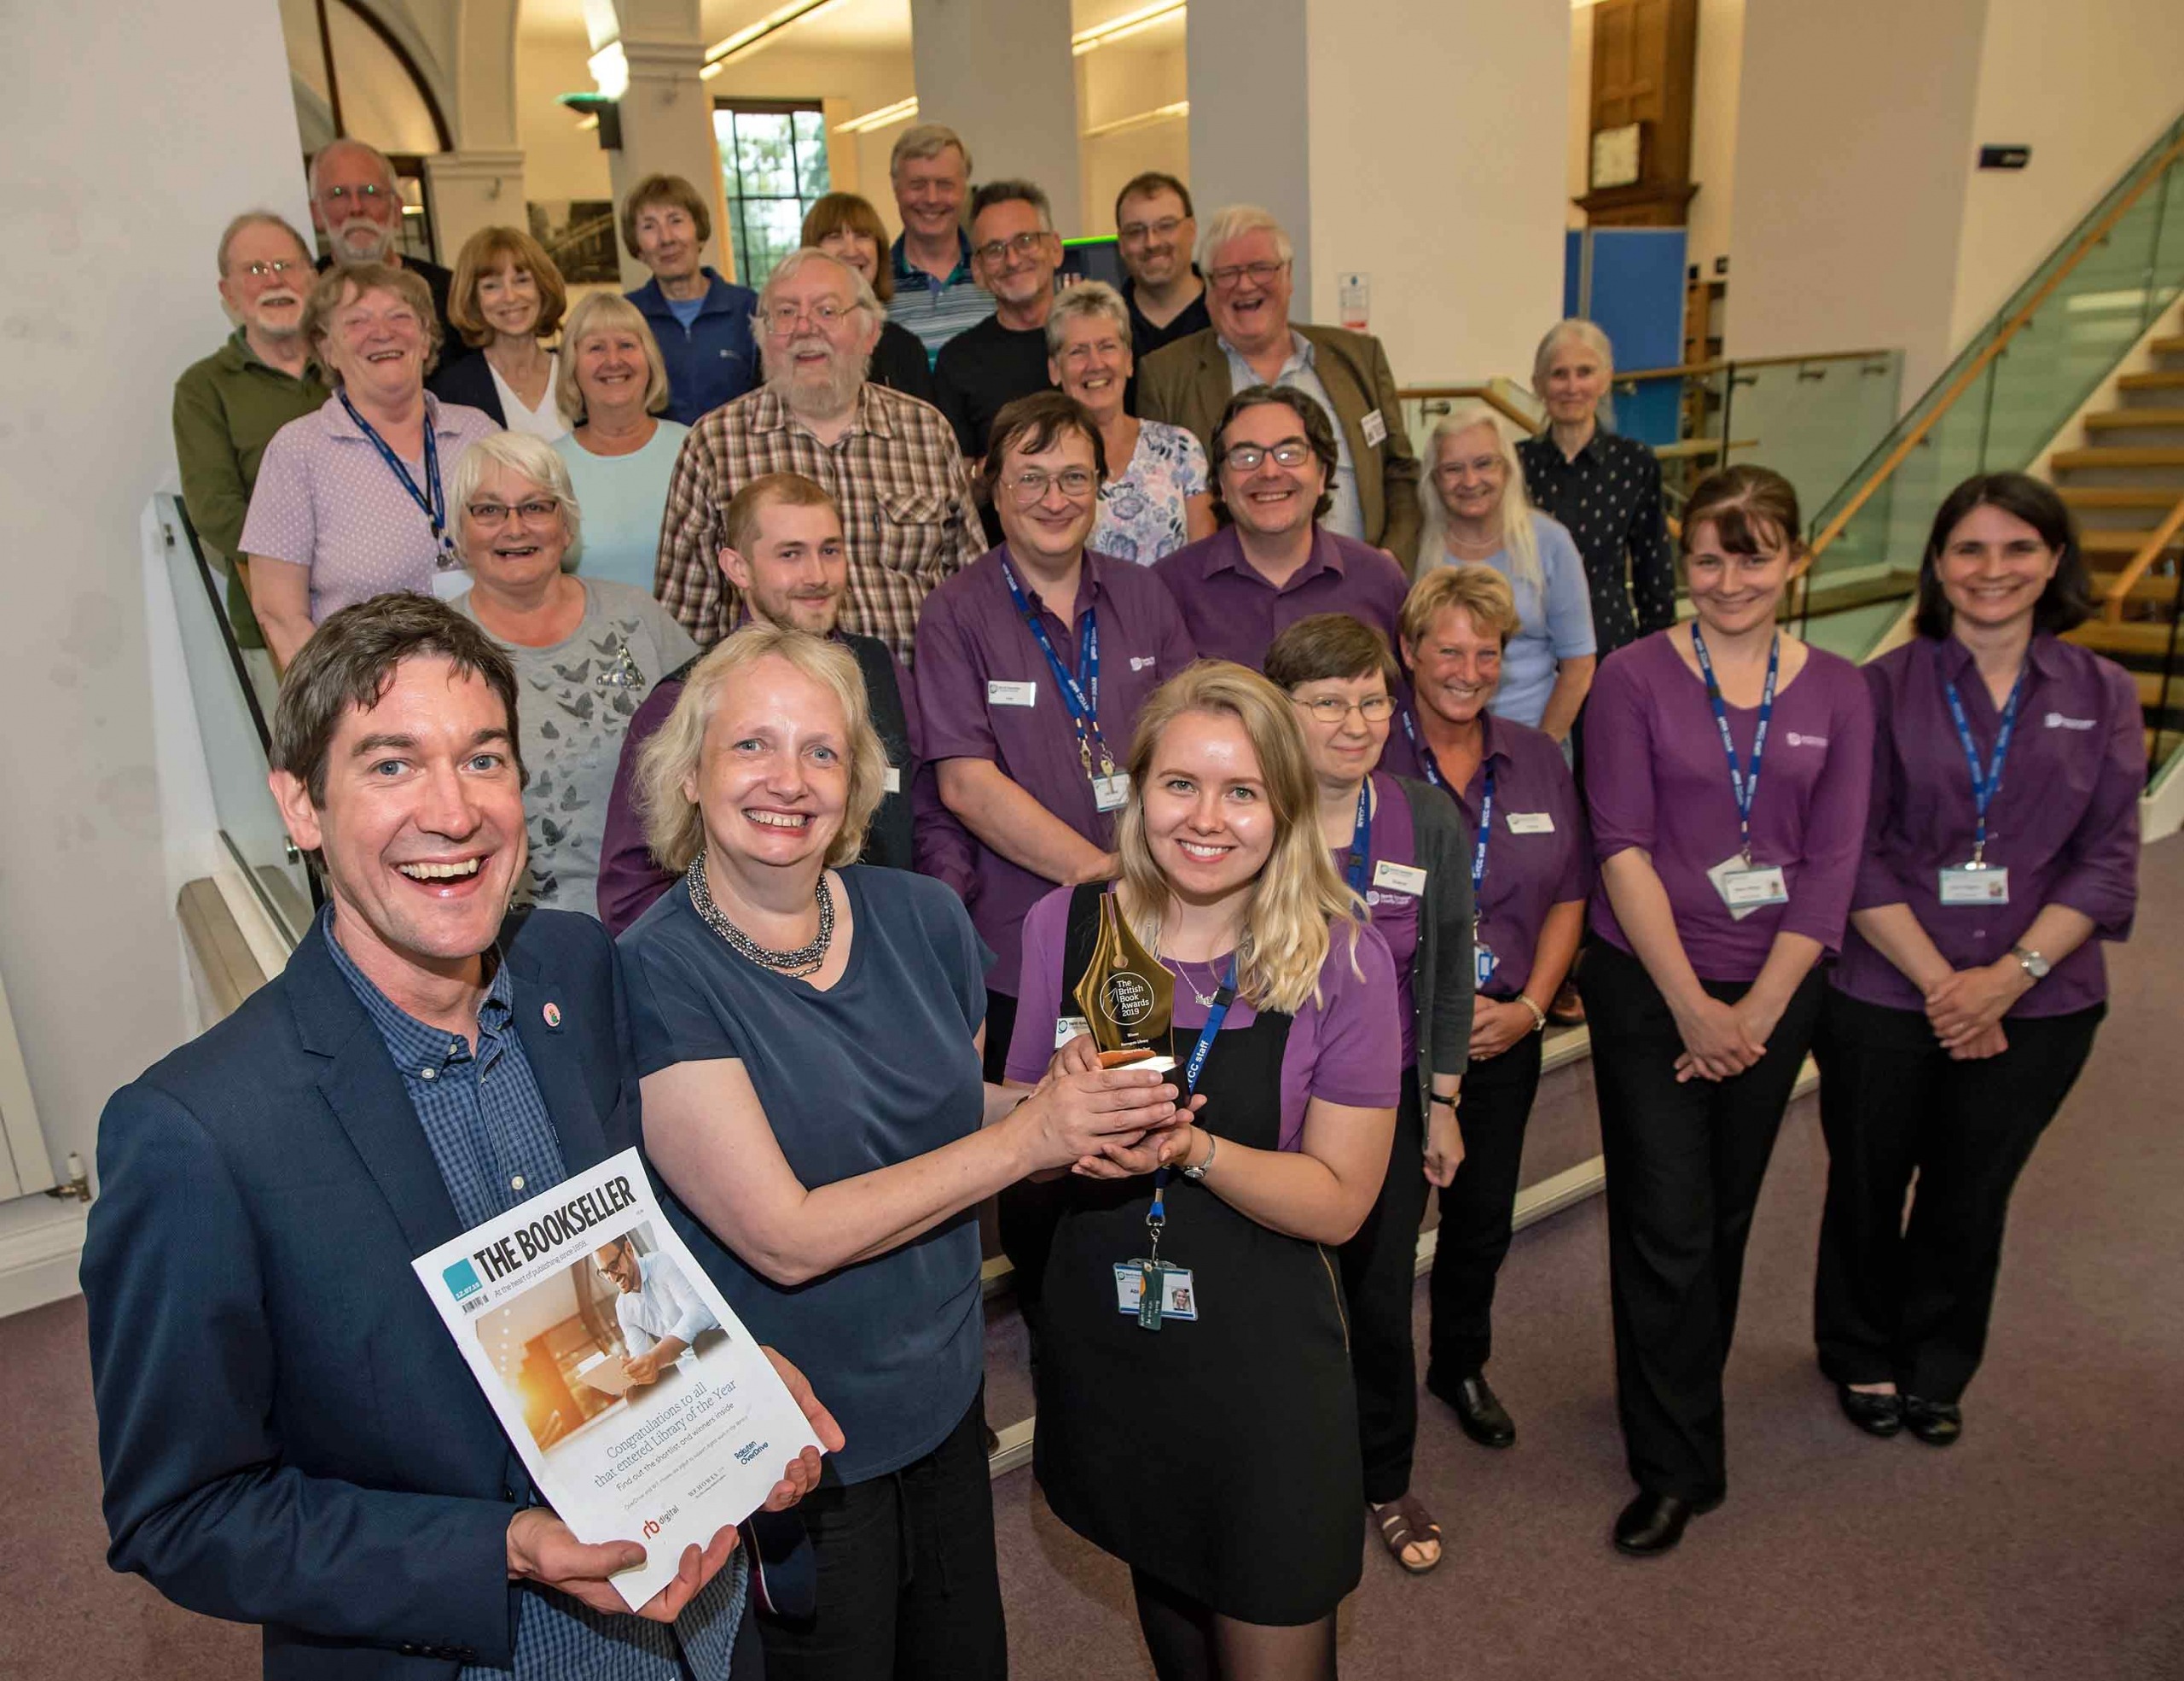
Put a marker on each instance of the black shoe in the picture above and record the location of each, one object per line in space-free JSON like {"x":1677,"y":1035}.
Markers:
{"x":1876,"y":1415}
{"x":1653,"y":1523}
{"x":1481,"y":1413}
{"x":1936,"y":1423}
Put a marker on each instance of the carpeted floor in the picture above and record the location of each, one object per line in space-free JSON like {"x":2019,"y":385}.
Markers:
{"x":2050,"y":1541}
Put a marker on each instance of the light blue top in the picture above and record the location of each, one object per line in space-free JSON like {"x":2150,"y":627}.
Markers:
{"x":622,"y":498}
{"x":1143,"y":507}
{"x":1554,"y":624}
{"x":1347,"y":517}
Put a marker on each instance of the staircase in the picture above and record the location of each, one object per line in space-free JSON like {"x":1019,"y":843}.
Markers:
{"x":2125,"y":486}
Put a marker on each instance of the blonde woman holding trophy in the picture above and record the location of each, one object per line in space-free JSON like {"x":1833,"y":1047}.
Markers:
{"x":1196,"y":1413}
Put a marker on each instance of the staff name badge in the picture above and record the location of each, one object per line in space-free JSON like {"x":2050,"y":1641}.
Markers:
{"x":1744,"y":887}
{"x":1483,"y":961}
{"x":1178,"y":1293}
{"x":1975,"y":884}
{"x":1402,"y":878}
{"x":1534,"y":823}
{"x":1067,"y":1027}
{"x":1012,"y":694}
{"x":1111,"y":794}
{"x":1374,"y":428}
{"x":891,"y":782}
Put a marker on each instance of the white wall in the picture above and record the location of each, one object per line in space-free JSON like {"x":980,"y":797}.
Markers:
{"x":1717,"y":82}
{"x":1852,"y":163}
{"x":2088,"y":89}
{"x":123,"y":166}
{"x":1577,"y":125}
{"x":559,"y":160}
{"x":1119,"y":82}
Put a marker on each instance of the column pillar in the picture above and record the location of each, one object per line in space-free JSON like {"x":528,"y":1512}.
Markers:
{"x":666,"y":113}
{"x":473,"y":189}
{"x":1421,"y":146}
{"x":1020,"y":122}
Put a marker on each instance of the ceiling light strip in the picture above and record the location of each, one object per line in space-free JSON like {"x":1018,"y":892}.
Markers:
{"x":900,"y":112}
{"x":1131,"y":23}
{"x":746,"y":41}
{"x":1161,"y":113}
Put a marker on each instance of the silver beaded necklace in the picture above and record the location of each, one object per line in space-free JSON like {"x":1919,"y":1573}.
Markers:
{"x":803,"y":961}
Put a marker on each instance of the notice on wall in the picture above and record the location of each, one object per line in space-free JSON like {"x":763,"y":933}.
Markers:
{"x":1354,"y":300}
{"x":644,"y":1410}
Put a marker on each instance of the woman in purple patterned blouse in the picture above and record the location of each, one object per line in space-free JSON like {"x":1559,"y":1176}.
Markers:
{"x":1728,"y":768}
{"x":2001,"y":850}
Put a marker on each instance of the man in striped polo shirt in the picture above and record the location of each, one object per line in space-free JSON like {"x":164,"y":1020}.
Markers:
{"x":936,"y":296}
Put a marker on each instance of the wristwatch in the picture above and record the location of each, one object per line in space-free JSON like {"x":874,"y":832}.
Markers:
{"x":2030,"y":961}
{"x":1539,"y":1015}
{"x":1212,"y":1148}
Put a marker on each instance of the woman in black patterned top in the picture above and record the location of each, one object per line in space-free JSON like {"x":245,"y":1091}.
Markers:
{"x":1606,"y":488}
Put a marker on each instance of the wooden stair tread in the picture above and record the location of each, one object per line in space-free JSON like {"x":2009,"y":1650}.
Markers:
{"x":2149,"y":684}
{"x":2119,"y":496}
{"x":2150,"y":586}
{"x":2165,"y":379}
{"x":2118,"y":420}
{"x":2172,"y":345}
{"x":2118,"y":455}
{"x":2139,"y":639}
{"x":2126,"y":541}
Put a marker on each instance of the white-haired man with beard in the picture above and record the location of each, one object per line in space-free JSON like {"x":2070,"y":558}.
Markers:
{"x":356,"y":201}
{"x":890,"y":461}
{"x":228,"y":407}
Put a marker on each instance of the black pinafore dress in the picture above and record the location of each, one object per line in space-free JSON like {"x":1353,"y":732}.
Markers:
{"x":1219,"y":1456}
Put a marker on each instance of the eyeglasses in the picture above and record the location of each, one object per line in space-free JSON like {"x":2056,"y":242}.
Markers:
{"x":1032,"y":484}
{"x":1246,"y":457}
{"x":1164,"y":228}
{"x":781,"y":318}
{"x":1262,"y":274}
{"x":367,"y":194}
{"x":279,"y":265}
{"x":535,"y":512}
{"x":997,"y":251}
{"x":1330,"y":709}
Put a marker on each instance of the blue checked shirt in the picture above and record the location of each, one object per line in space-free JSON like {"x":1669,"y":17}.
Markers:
{"x":494,"y":1141}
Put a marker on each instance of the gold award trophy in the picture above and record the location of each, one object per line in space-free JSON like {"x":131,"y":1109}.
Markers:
{"x":1127,"y":998}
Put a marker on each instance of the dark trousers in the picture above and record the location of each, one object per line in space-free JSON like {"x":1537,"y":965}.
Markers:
{"x":1907,"y":1301}
{"x":1026,"y":1213}
{"x":1474,"y":1238}
{"x":1379,"y":1277}
{"x":909,"y":1588}
{"x":1684,"y":1167}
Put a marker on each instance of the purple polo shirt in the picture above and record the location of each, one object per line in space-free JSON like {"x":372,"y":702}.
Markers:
{"x":1658,"y":780}
{"x":1541,"y":860}
{"x":327,"y":501}
{"x":1343,"y":1046}
{"x":1233,"y":612}
{"x":1389,"y":838}
{"x":970,"y":637}
{"x":2065,"y":822}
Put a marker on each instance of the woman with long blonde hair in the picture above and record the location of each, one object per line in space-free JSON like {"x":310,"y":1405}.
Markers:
{"x":1193,"y":1278}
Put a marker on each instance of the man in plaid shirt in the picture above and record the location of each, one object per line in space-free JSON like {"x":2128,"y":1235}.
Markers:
{"x":888,"y":460}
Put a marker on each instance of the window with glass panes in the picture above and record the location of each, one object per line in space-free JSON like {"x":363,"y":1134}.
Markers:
{"x":773,"y":164}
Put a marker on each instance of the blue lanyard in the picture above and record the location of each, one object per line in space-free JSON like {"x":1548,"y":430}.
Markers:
{"x":1423,"y":753}
{"x":1744,"y":786}
{"x":1986,"y":787}
{"x":1361,"y":838}
{"x":1479,"y":852}
{"x":1157,"y":1215}
{"x":1082,"y":699}
{"x":431,"y":499}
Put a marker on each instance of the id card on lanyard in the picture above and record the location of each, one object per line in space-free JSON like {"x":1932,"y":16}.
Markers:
{"x":1482,"y":958}
{"x":1744,"y":886}
{"x":449,"y":578}
{"x":1152,"y":1288}
{"x":1110,"y":787}
{"x":1976,"y":881}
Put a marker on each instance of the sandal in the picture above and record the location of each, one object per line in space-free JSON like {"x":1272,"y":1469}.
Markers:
{"x":1405,"y":1523}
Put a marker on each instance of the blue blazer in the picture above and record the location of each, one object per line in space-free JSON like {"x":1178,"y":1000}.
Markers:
{"x":468,"y":379}
{"x":288,"y":1434}
{"x":712,"y":361}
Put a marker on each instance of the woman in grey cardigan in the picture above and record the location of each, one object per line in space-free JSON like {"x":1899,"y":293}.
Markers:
{"x":1402,"y":847}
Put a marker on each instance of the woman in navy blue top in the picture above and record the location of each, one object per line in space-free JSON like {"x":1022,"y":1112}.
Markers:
{"x":808,"y":1035}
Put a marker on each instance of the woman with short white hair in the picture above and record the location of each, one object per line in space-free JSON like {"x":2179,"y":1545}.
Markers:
{"x":1604,"y":487}
{"x":620,"y":454}
{"x":1475,"y":513}
{"x":586,"y":651}
{"x":1161,"y":496}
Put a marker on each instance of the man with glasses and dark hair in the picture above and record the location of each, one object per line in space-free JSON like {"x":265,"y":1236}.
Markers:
{"x":1015,"y":253}
{"x":1274,"y":561}
{"x":1032,"y":663}
{"x":1246,"y":259}
{"x":889,"y":461}
{"x":228,"y":406}
{"x":356,"y":202}
{"x":1155,"y":230}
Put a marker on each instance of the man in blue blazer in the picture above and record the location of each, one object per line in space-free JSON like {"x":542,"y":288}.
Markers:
{"x":289,"y":1435}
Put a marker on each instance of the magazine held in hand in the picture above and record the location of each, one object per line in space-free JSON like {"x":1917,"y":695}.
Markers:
{"x":644,"y":1410}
